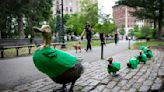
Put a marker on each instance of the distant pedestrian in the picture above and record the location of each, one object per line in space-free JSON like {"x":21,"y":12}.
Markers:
{"x":88,"y":31}
{"x":126,"y":37}
{"x":116,"y":38}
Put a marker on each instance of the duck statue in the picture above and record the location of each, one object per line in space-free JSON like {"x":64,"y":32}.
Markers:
{"x":149,"y":53}
{"x":142,"y":57}
{"x":113,"y":67}
{"x":60,"y":66}
{"x":132,"y":63}
{"x":143,"y":48}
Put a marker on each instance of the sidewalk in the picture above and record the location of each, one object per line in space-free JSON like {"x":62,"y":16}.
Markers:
{"x":147,"y":77}
{"x":20,"y":70}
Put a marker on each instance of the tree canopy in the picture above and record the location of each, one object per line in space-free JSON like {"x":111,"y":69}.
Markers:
{"x":22,"y":14}
{"x":89,"y":14}
{"x":147,"y":9}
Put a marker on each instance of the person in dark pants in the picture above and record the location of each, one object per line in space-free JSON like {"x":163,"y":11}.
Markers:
{"x":116,"y":38}
{"x":88,"y":36}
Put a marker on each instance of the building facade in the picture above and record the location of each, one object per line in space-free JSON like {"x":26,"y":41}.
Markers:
{"x":123,"y":18}
{"x":69,"y":6}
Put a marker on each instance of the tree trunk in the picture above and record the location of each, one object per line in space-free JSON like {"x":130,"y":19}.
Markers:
{"x":20,"y":26}
{"x":155,"y":27}
{"x":0,"y":35}
{"x":160,"y":18}
{"x":30,"y":27}
{"x":155,"y":23}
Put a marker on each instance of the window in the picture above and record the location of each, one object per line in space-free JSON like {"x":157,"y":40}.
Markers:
{"x":66,"y":9}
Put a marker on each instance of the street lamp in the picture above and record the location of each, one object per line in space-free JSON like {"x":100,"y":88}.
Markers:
{"x":102,"y":44}
{"x":58,"y":21}
{"x":62,"y":26}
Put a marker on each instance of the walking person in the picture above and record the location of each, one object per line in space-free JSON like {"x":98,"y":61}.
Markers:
{"x":88,"y":31}
{"x":116,"y":38}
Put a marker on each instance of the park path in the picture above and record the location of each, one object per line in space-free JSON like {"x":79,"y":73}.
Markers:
{"x":21,"y":70}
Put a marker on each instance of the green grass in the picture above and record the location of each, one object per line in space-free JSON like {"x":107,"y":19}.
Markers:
{"x":69,"y":45}
{"x":84,"y":43}
{"x":149,"y":43}
{"x":22,"y":52}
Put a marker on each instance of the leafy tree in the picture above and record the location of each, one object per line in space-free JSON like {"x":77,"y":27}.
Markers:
{"x":89,"y":11}
{"x":26,"y":12}
{"x":144,"y":32}
{"x":39,"y":12}
{"x":147,"y":9}
{"x":106,"y":25}
{"x":137,"y":32}
{"x":76,"y":23}
{"x":122,"y":30}
{"x":52,"y":23}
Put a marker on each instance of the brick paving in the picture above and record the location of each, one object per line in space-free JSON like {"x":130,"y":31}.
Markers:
{"x":147,"y":77}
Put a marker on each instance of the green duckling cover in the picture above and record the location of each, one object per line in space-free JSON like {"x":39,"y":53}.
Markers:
{"x":115,"y":67}
{"x":143,"y":48}
{"x":134,"y":62}
{"x":143,"y":58}
{"x":149,"y":53}
{"x":53,"y":62}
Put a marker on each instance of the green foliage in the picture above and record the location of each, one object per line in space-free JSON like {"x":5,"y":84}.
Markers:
{"x":149,"y":43}
{"x":89,"y":13}
{"x":52,"y":23}
{"x":76,"y":23}
{"x":83,"y":43}
{"x":33,"y":12}
{"x":122,"y":30}
{"x":105,"y":26}
{"x":144,"y":32}
{"x":147,"y":9}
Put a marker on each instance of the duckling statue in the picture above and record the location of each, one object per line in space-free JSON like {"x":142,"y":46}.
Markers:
{"x":149,"y":52}
{"x":113,"y":67}
{"x":132,"y":63}
{"x":60,"y":66}
{"x":143,"y":48}
{"x":142,"y":57}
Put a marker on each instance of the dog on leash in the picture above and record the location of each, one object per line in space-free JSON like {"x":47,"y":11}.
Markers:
{"x":77,"y":46}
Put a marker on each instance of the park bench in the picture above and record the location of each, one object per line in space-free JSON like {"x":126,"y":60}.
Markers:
{"x":15,"y":43}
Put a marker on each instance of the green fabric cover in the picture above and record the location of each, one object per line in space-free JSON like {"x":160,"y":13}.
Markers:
{"x":53,"y":62}
{"x":115,"y":67}
{"x":143,"y":48}
{"x":143,"y":58}
{"x":149,"y":54}
{"x":134,"y":62}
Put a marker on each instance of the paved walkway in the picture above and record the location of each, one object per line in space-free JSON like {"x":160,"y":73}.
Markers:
{"x":21,"y":70}
{"x":147,"y":77}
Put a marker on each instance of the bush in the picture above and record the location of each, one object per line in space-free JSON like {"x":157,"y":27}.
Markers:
{"x":144,"y":32}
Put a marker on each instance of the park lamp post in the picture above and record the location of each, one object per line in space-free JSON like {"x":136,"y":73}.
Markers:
{"x":129,"y":38}
{"x":102,"y":44}
{"x":62,"y":26}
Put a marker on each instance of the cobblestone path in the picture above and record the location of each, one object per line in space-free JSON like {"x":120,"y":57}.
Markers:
{"x":147,"y":77}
